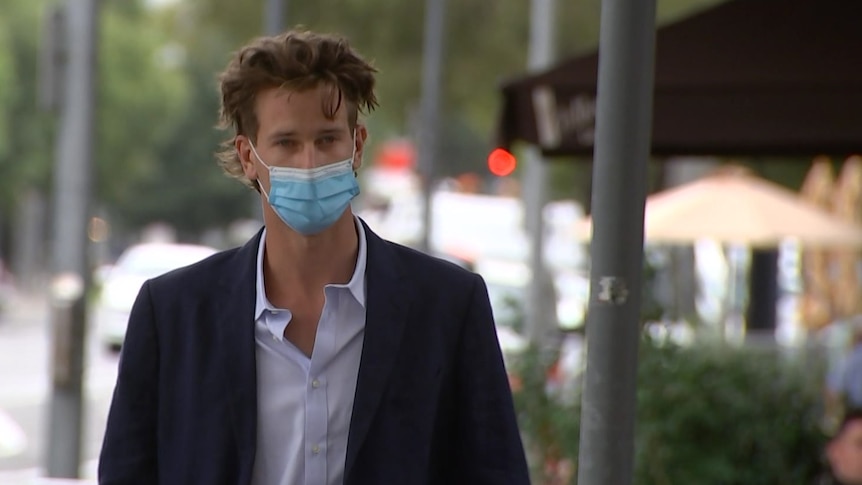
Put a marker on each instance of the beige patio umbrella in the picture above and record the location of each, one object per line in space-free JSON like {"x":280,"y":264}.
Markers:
{"x":816,"y":303}
{"x":734,"y":206}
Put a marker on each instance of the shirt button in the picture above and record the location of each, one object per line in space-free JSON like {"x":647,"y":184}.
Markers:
{"x":315,"y":383}
{"x":315,"y":449}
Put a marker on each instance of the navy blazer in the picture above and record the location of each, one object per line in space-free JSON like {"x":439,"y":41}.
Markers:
{"x":432,"y":403}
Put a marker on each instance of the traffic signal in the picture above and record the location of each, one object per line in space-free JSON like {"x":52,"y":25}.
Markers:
{"x":501,"y":162}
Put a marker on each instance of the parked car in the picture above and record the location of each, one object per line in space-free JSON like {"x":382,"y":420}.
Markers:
{"x":121,"y":283}
{"x":7,"y":287}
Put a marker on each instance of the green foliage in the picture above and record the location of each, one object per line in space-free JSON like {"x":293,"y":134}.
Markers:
{"x":26,"y":135}
{"x":550,"y":429}
{"x":147,"y":106}
{"x":181,"y":184}
{"x":140,"y":96}
{"x":726,"y":416}
{"x":706,"y":414}
{"x":7,"y":86}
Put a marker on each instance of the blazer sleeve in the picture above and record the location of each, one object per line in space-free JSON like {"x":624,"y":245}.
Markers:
{"x":128,"y":455}
{"x":487,"y":433}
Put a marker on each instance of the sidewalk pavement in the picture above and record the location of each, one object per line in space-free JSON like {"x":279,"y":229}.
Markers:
{"x":35,"y":476}
{"x":25,"y":309}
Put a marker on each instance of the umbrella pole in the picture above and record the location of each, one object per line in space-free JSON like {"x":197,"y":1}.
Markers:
{"x":763,"y":296}
{"x":624,"y":118}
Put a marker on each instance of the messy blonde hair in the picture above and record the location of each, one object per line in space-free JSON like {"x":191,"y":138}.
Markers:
{"x":297,"y":60}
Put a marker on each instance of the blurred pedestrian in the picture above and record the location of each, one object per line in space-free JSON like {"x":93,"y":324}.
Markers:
{"x":844,"y":453}
{"x":317,"y":353}
{"x":844,"y":381}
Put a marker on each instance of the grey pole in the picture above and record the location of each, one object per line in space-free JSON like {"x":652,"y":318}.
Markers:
{"x":540,"y":310}
{"x":432,"y":60}
{"x":273,"y":16}
{"x":623,"y":130}
{"x":71,"y":271}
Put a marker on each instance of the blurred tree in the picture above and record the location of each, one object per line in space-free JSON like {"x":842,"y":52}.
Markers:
{"x":7,"y":85}
{"x":26,"y":135}
{"x":187,"y":188}
{"x":141,"y":94}
{"x":23,"y":151}
{"x":147,"y":95}
{"x":173,"y":112}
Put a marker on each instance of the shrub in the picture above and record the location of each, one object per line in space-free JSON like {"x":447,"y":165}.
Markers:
{"x":707,"y":414}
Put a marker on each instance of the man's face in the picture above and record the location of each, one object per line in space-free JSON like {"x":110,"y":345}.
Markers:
{"x":293,"y":131}
{"x":845,"y":454}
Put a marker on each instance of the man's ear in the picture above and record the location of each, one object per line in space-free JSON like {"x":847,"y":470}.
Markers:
{"x":243,"y":152}
{"x":361,"y":137}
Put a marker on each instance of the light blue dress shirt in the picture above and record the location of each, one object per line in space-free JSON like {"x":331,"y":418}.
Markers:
{"x":846,"y":378}
{"x":305,"y":404}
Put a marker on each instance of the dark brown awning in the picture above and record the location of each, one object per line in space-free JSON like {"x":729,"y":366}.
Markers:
{"x":748,"y":77}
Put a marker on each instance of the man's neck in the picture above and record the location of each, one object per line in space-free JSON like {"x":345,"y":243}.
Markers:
{"x":297,"y":263}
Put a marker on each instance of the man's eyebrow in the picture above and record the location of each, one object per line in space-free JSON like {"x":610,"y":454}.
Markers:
{"x":330,"y":131}
{"x":282,"y":134}
{"x":292,"y":133}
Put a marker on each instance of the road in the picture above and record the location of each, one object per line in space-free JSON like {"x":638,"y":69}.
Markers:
{"x":25,"y":393}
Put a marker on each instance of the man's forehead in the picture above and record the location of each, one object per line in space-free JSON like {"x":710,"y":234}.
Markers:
{"x":327,"y":97}
{"x":310,"y":106}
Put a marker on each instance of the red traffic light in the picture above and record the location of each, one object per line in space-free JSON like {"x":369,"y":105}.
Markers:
{"x":501,"y":162}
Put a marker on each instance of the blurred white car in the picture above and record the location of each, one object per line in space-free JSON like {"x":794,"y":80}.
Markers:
{"x":7,"y":288}
{"x":122,"y":282}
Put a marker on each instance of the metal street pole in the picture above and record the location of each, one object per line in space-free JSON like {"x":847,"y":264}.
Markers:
{"x":273,"y":16}
{"x":432,"y":61}
{"x":623,"y":131}
{"x":540,"y":310}
{"x":71,"y":211}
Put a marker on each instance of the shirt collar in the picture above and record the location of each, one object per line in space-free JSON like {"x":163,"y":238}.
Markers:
{"x":356,"y":285}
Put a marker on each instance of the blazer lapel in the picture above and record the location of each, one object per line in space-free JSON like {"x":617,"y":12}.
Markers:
{"x":387,"y":304}
{"x":235,"y":333}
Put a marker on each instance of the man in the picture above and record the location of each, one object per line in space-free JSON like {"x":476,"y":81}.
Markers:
{"x":317,"y":353}
{"x":844,"y":452}
{"x":843,"y":387}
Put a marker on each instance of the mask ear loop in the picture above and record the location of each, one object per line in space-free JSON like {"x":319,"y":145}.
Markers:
{"x":353,"y":156}
{"x":257,"y":180}
{"x":253,"y":150}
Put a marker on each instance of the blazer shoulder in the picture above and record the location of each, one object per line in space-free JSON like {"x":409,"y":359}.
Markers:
{"x":434,"y":268}
{"x":202,"y":274}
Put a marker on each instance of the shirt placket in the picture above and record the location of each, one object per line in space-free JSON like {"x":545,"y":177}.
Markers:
{"x":316,"y":401}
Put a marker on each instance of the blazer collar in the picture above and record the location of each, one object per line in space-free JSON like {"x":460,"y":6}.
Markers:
{"x":388,"y":300}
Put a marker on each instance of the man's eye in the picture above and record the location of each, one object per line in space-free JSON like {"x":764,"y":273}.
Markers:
{"x":286,"y":143}
{"x":327,"y":140}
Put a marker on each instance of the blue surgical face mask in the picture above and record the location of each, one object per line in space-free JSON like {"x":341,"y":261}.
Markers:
{"x":309,"y":200}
